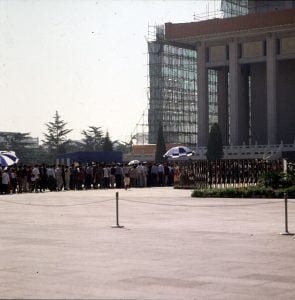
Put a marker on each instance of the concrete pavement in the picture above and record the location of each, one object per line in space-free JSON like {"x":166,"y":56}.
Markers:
{"x":62,"y":246}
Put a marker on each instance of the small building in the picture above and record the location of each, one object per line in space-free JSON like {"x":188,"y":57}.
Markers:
{"x":144,"y":152}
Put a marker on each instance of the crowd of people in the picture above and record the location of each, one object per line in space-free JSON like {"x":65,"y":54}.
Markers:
{"x":41,"y":178}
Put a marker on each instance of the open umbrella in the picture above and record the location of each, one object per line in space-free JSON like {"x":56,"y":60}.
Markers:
{"x":178,"y":151}
{"x":133,"y":162}
{"x":8,"y":158}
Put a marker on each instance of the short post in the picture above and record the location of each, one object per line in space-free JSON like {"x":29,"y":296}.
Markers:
{"x":117,"y":212}
{"x":286,"y":216}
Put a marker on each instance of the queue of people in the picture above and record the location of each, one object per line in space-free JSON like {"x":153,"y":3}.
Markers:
{"x":41,"y":178}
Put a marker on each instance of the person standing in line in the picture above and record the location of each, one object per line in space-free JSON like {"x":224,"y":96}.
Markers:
{"x":140,"y":175}
{"x":25,"y":184}
{"x":119,"y":176}
{"x":154,"y":175}
{"x":145,"y":174}
{"x":35,"y":179}
{"x":80,"y":178}
{"x":166,"y":174}
{"x":126,"y":171}
{"x":161,"y":174}
{"x":67,"y":178}
{"x":88,"y":176}
{"x":106,"y":177}
{"x":112,"y":176}
{"x":19,"y":179}
{"x":58,"y":177}
{"x":1,"y":172}
{"x":29,"y":178}
{"x":5,"y":182}
{"x":176,"y":179}
{"x":43,"y":177}
{"x":13,"y":180}
{"x":51,"y":178}
{"x":73,"y":179}
{"x":99,"y":175}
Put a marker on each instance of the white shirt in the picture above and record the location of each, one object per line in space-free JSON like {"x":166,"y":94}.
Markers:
{"x":35,"y":173}
{"x":5,"y":178}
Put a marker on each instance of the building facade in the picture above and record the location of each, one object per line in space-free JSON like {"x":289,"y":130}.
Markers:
{"x":240,"y":74}
{"x":254,"y":56}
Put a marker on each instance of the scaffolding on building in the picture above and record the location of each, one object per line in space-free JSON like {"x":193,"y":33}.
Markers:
{"x":233,"y":8}
{"x":172,"y":90}
{"x":140,"y":133}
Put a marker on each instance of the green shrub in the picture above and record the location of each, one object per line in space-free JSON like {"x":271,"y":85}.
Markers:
{"x":245,"y":192}
{"x":291,"y":192}
{"x":277,"y":180}
{"x":271,"y":179}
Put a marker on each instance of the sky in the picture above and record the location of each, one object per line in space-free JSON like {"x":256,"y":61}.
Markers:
{"x":85,"y":59}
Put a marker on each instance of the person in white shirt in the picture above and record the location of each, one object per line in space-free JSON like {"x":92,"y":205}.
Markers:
{"x":35,"y":179}
{"x":5,"y":182}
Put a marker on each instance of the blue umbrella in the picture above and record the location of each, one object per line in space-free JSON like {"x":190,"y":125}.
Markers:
{"x":8,"y":158}
{"x":178,"y":151}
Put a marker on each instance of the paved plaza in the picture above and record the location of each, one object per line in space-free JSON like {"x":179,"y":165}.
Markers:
{"x":62,"y":245}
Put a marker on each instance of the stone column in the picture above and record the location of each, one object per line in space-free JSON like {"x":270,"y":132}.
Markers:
{"x":222,"y":92}
{"x":243,"y":105}
{"x":234,"y":72}
{"x":203,"y":106}
{"x":271,"y":88}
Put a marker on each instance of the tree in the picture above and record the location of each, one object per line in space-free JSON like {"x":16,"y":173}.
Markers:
{"x":215,"y":148}
{"x":107,"y":144}
{"x":93,"y":138}
{"x":55,"y":138}
{"x":161,"y":146}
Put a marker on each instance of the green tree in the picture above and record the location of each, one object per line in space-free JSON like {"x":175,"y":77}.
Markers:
{"x":93,"y":139}
{"x":107,"y":144}
{"x":214,"y":148}
{"x":161,"y":146}
{"x":56,"y":136}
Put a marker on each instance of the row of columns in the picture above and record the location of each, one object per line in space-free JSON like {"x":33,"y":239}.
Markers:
{"x":238,"y":110}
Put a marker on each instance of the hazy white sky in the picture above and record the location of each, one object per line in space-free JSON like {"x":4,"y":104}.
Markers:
{"x":86,"y":59}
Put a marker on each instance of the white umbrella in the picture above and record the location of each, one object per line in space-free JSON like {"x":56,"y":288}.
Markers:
{"x":8,"y":158}
{"x":133,"y":162}
{"x":178,"y":151}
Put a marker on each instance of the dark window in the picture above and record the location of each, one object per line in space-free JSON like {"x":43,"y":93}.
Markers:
{"x":207,"y":54}
{"x":239,"y":50}
{"x":264,"y":48}
{"x":278,"y":46}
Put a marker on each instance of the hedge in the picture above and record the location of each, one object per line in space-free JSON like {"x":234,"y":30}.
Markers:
{"x":245,"y":192}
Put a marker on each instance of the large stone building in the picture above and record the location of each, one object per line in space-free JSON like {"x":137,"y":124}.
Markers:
{"x":252,"y":57}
